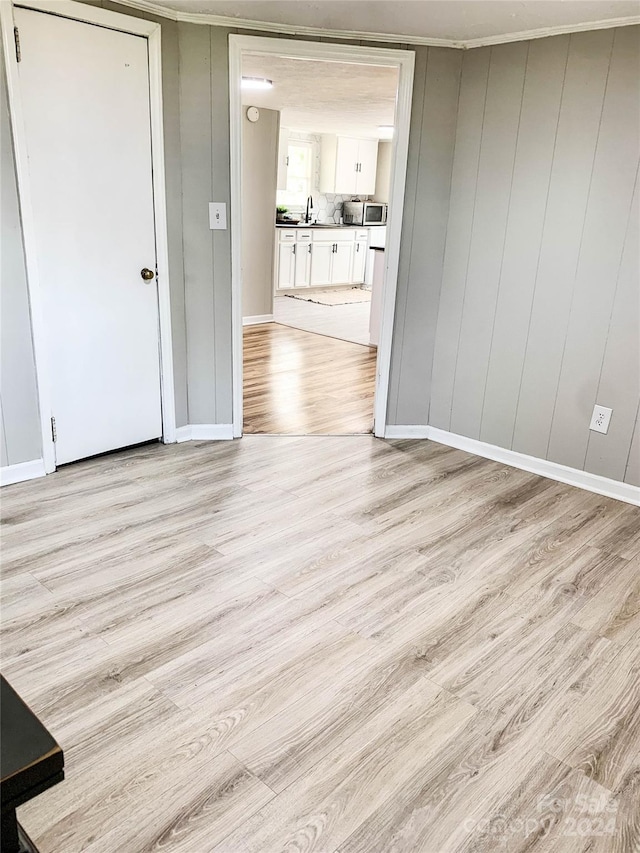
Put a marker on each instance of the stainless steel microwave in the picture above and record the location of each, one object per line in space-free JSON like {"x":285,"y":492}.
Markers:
{"x":364,"y":213}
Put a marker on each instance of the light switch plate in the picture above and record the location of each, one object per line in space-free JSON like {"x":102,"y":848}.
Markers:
{"x":217,"y":216}
{"x":600,"y":419}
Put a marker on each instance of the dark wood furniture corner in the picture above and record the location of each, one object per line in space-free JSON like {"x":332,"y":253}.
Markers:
{"x":30,"y":762}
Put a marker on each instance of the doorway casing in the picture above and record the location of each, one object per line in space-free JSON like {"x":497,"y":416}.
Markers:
{"x":151,"y":31}
{"x":404,"y":61}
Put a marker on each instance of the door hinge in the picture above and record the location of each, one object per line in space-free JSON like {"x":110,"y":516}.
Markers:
{"x":54,"y":432}
{"x":16,"y":36}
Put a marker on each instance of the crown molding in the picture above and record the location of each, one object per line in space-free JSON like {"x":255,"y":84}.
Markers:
{"x":388,"y":38}
{"x":545,"y":32}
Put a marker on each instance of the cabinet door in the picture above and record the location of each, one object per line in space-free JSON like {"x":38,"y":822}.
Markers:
{"x":286,"y":264}
{"x":346,"y":164}
{"x":283,"y":158}
{"x":302,"y":277}
{"x":321,"y":255}
{"x":359,"y":258}
{"x":368,"y":164}
{"x":341,"y":266}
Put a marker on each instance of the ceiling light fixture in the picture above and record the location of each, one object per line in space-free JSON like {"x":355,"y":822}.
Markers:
{"x":256,"y":83}
{"x":385,"y":131}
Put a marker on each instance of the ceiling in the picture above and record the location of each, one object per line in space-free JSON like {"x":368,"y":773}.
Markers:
{"x":352,"y":100}
{"x":450,"y":20}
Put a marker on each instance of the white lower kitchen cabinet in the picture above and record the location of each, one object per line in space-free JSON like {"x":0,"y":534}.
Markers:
{"x":286,"y":265}
{"x":359,"y":261}
{"x":302,"y":277}
{"x":342,"y":263}
{"x":321,"y":261}
{"x":320,"y":257}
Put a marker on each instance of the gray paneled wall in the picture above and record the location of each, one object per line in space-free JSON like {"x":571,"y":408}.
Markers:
{"x":424,"y":224}
{"x":538,"y":315}
{"x":19,"y":420}
{"x":204,"y":125}
{"x":518,"y":298}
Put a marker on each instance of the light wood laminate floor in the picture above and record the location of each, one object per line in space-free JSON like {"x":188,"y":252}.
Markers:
{"x":326,"y":645}
{"x":299,"y":383}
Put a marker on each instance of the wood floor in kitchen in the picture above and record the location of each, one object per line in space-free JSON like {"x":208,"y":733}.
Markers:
{"x":327,"y":644}
{"x":300,"y":383}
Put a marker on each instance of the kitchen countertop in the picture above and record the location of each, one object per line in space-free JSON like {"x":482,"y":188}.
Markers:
{"x":318,"y":225}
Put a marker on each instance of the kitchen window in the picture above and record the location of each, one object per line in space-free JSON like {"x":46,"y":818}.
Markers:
{"x":299,"y":175}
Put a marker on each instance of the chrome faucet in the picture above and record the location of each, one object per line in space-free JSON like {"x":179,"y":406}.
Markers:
{"x":309,"y":211}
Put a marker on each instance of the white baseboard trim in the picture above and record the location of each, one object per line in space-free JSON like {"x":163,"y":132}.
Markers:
{"x":10,"y":474}
{"x":552,"y":470}
{"x":401,"y":431}
{"x":257,"y":319}
{"x":205,"y":432}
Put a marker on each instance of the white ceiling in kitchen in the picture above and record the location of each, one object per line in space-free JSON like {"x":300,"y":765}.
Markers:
{"x":324,"y":97}
{"x":454,"y":20}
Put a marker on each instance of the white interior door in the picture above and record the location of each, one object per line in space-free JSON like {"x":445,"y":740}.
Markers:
{"x":85,"y":95}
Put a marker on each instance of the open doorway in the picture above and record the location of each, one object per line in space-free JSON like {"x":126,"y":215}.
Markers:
{"x":320,"y":135}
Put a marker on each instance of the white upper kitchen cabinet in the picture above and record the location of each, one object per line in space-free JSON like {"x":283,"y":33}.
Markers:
{"x":368,"y":166}
{"x":348,"y":165}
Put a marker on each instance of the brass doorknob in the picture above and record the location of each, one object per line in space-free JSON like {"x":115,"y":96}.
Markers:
{"x":147,"y":274}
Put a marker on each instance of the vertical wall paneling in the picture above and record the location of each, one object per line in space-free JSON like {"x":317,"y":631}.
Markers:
{"x":4,"y":456}
{"x":197,"y":147}
{"x":408,"y":221}
{"x":518,"y":296}
{"x":173,"y":183}
{"x":473,"y":91}
{"x":619,"y":381}
{"x":544,"y":80}
{"x":579,"y":123}
{"x":491,"y":209}
{"x":221,"y":191}
{"x":422,"y":255}
{"x":605,"y":225}
{"x":632,"y":474}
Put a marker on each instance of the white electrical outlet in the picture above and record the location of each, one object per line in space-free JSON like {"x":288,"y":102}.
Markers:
{"x":600,"y":419}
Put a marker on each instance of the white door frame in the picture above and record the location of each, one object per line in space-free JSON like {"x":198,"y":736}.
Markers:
{"x":151,"y":31}
{"x":404,"y":61}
